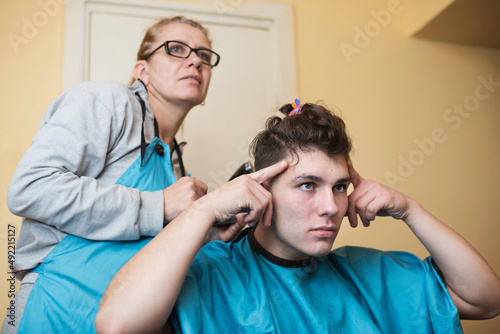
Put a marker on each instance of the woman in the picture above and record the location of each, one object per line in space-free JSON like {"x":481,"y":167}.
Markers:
{"x":92,"y":191}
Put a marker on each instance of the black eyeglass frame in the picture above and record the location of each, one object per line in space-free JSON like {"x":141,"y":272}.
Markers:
{"x":165,"y":44}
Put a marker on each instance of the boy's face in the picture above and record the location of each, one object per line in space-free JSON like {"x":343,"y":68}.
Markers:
{"x":309,"y":202}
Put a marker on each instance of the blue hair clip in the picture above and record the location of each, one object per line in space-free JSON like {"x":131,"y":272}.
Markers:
{"x":296,"y":108}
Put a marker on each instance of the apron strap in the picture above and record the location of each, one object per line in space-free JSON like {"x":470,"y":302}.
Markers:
{"x":143,"y":139}
{"x":157,"y":132}
{"x":179,"y":155}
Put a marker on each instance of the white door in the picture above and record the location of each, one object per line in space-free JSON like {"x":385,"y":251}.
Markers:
{"x":255,"y":76}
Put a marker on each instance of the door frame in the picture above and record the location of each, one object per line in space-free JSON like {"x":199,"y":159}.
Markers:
{"x":277,"y":18}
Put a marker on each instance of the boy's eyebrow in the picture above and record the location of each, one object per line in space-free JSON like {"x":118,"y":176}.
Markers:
{"x":307,"y":177}
{"x":315,"y":178}
{"x":344,"y":180}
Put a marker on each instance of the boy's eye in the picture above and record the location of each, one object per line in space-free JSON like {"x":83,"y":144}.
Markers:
{"x":306,"y":186}
{"x":340,"y":187}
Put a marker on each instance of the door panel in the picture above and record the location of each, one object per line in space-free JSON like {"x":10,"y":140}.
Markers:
{"x":256,"y":73}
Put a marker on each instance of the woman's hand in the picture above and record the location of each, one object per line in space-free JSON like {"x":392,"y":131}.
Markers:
{"x":180,"y":195}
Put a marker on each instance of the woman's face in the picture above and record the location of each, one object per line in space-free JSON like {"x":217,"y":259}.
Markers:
{"x":176,"y":80}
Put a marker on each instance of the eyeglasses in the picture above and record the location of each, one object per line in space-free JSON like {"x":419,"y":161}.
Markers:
{"x":182,"y":50}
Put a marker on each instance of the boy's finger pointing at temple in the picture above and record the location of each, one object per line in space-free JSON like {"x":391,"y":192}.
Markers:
{"x":265,"y":174}
{"x":356,"y":179}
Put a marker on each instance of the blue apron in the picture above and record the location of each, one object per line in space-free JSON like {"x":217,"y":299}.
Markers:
{"x":352,"y":290}
{"x":72,"y":279}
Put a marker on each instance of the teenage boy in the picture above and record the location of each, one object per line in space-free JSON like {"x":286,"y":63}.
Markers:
{"x":281,"y":276}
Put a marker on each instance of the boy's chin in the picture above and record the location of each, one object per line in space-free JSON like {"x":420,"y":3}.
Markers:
{"x":323,"y":251}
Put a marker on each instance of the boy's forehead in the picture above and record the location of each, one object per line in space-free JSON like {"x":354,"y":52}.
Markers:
{"x":315,"y":163}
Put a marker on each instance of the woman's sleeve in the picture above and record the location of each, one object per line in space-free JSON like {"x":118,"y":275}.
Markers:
{"x":56,"y":181}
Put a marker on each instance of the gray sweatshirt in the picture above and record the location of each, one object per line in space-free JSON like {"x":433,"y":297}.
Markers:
{"x":65,"y":182}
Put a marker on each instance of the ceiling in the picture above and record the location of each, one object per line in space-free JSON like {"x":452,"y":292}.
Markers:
{"x":470,"y":22}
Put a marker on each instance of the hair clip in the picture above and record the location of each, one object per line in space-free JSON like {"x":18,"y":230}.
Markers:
{"x":296,"y":108}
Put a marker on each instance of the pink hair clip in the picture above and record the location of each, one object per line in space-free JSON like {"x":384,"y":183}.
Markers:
{"x":296,"y":108}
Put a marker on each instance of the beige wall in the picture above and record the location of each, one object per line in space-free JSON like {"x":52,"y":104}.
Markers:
{"x":393,"y":92}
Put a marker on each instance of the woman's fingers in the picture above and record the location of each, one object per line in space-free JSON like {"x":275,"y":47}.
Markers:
{"x":178,"y":196}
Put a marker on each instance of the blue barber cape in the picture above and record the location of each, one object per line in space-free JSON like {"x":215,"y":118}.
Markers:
{"x":232,"y":289}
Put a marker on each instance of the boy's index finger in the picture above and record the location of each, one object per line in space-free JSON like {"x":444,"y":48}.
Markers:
{"x":356,"y":179}
{"x":265,"y":174}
